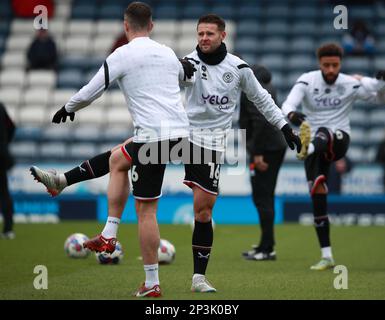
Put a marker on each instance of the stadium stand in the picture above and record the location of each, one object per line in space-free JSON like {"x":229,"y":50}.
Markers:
{"x":281,"y":36}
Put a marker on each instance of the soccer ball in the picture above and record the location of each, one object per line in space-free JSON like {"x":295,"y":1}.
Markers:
{"x":110,"y":258}
{"x":73,"y":246}
{"x":166,"y":252}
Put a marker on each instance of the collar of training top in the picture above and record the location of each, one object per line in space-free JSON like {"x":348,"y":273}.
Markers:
{"x":215,"y":57}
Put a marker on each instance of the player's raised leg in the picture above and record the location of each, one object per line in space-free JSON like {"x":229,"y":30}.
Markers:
{"x":93,"y":168}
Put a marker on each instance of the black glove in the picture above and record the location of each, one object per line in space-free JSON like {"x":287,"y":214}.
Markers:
{"x":62,"y":114}
{"x":296,"y":118}
{"x":188,"y":68}
{"x":381,"y":75}
{"x":291,"y":137}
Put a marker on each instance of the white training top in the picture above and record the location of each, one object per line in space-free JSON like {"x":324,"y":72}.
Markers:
{"x":211,"y":101}
{"x":148,"y":74}
{"x":329,"y":105}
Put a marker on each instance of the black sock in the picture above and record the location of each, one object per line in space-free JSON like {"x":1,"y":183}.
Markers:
{"x":202,"y":241}
{"x":94,"y":168}
{"x":321,"y":219}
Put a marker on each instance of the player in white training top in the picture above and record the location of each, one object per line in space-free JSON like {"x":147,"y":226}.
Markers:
{"x":326,"y":96}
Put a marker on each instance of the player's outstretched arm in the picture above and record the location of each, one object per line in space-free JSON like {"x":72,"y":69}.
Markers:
{"x":373,"y":89}
{"x":108,"y":72}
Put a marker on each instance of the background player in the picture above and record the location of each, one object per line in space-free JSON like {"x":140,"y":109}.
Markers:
{"x":327,"y":97}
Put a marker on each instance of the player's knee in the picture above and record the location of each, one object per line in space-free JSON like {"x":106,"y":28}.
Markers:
{"x":323,"y":133}
{"x":203,"y":212}
{"x":117,"y":161}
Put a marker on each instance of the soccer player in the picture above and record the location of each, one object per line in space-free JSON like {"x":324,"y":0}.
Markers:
{"x":210,"y":103}
{"x":327,"y":97}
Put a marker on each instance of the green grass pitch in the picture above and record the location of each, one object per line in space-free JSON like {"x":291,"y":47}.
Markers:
{"x":360,"y":249}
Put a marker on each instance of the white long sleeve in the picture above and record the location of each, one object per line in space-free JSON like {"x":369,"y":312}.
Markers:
{"x":108,"y":73}
{"x":261,"y":98}
{"x":295,"y":96}
{"x":372,"y":90}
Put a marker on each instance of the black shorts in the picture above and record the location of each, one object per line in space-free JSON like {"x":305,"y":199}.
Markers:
{"x":148,"y":165}
{"x":317,"y":165}
{"x":203,"y":171}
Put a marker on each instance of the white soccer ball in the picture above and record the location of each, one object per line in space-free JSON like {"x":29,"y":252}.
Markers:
{"x":73,"y":246}
{"x":166,"y":252}
{"x":110,"y":258}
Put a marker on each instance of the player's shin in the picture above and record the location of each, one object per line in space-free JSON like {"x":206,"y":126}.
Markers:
{"x":321,"y":223}
{"x":93,"y":168}
{"x":202,"y":242}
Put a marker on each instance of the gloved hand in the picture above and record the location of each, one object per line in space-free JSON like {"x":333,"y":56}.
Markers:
{"x":62,"y":114}
{"x":296,"y":118}
{"x":381,"y":75}
{"x":291,"y":137}
{"x":188,"y":68}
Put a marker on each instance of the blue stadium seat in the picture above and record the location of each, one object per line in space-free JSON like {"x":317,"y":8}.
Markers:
{"x":281,"y":12}
{"x":248,"y":11}
{"x":166,"y":12}
{"x":304,"y":14}
{"x":53,"y":151}
{"x":274,"y":62}
{"x":116,"y":133}
{"x":4,"y":27}
{"x":81,"y":150}
{"x":247,"y":45}
{"x":73,"y":62}
{"x":302,"y":28}
{"x":87,"y":133}
{"x":379,"y":63}
{"x":71,"y":78}
{"x":84,"y":11}
{"x":111,"y":11}
{"x":248,"y":28}
{"x":305,"y":45}
{"x":57,"y":133}
{"x":224,"y":11}
{"x":275,"y":45}
{"x":357,"y":65}
{"x":380,"y":48}
{"x":194,"y":11}
{"x":367,"y":12}
{"x":30,"y":133}
{"x":24,"y":151}
{"x":6,"y":10}
{"x":301,"y":63}
{"x":2,"y":44}
{"x":250,"y":59}
{"x":275,"y":28}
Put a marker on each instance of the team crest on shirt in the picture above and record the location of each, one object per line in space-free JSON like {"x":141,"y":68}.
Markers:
{"x":228,"y":77}
{"x":341,"y":89}
{"x":203,"y":73}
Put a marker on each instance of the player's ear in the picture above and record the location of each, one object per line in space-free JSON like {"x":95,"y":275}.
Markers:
{"x":126,"y":26}
{"x":150,"y":26}
{"x":223,"y":35}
